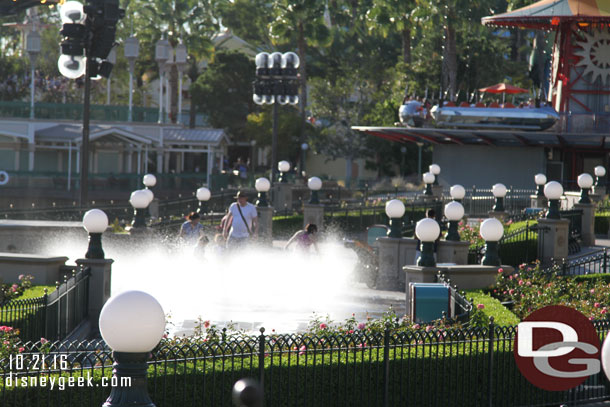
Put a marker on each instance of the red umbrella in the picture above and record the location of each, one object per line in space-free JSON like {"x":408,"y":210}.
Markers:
{"x":503,"y":88}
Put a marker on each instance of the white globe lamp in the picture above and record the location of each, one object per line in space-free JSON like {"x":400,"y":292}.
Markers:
{"x":491,"y":231}
{"x":427,"y":230}
{"x":454,"y":212}
{"x":95,"y":223}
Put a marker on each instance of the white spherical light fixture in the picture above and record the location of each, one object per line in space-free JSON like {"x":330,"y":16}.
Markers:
{"x":492,"y":230}
{"x":434,"y":169}
{"x":585,"y":181}
{"x":540,"y":179}
{"x":457,"y":192}
{"x":427,"y":230}
{"x":203,"y":194}
{"x":283,"y":166}
{"x":132,"y":321}
{"x":395,"y":209}
{"x":499,"y":190}
{"x":262,"y":184}
{"x":72,"y":12}
{"x":428,"y":178}
{"x":314,"y":183}
{"x":553,"y":190}
{"x":454,"y":211}
{"x":139,"y":199}
{"x":149,"y":194}
{"x":599,"y":171}
{"x":95,"y":221}
{"x":149,"y":180}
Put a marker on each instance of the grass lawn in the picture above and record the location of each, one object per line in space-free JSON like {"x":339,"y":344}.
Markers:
{"x":493,"y":308}
{"x":36,"y":291}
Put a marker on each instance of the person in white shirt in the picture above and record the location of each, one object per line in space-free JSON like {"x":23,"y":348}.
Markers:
{"x":243,"y":221}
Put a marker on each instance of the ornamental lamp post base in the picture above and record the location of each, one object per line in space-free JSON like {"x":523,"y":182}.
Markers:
{"x":130,"y":370}
{"x":491,"y":257}
{"x":427,"y":255}
{"x":95,"y":251}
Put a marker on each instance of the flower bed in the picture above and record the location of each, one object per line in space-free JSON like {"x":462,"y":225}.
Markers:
{"x":530,"y":288}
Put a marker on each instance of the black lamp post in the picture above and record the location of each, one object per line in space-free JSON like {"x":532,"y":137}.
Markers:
{"x":314,"y":184}
{"x":553,"y":191}
{"x":454,"y":212}
{"x":600,"y":172}
{"x":132,"y":324}
{"x":499,"y":192}
{"x":540,"y":180}
{"x":262,"y":185}
{"x":491,"y":231}
{"x":428,"y":180}
{"x":427,"y":231}
{"x":585,"y":182}
{"x":87,"y":38}
{"x":203,"y":196}
{"x":139,"y":200}
{"x":276,"y":83}
{"x":395,"y":210}
{"x":95,"y":222}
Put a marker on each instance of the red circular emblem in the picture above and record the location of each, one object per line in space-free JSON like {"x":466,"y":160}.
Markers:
{"x":543,"y":357}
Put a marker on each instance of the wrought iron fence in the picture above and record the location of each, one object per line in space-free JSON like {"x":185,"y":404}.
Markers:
{"x":515,"y":248}
{"x":463,"y":307}
{"x":590,"y":263}
{"x":456,"y":367}
{"x":53,"y":316}
{"x":574,"y":230}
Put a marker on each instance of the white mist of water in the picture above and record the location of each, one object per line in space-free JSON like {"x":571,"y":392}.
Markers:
{"x":252,"y":287}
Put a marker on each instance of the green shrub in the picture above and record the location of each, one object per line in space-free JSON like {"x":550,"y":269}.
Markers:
{"x":492,"y":308}
{"x":602,"y":223}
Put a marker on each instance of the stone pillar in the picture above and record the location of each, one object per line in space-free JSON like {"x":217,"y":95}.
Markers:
{"x":588,"y":223}
{"x":554,"y":242}
{"x":313,"y":213}
{"x":437,"y":191}
{"x":600,"y":190}
{"x":394,"y":253}
{"x":265,"y":224}
{"x":449,"y":251}
{"x":498,"y":215}
{"x":538,"y":202}
{"x":282,"y":198}
{"x":153,"y":208}
{"x":99,"y":286}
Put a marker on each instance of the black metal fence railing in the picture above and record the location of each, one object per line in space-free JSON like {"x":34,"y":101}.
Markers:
{"x":53,"y":316}
{"x":463,"y":307}
{"x":574,"y":230}
{"x":590,"y":263}
{"x":439,"y":367}
{"x":515,"y":248}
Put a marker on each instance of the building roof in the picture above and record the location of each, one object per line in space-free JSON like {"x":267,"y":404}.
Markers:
{"x":496,"y":138}
{"x":73,"y":132}
{"x":548,"y":13}
{"x":208,"y":136}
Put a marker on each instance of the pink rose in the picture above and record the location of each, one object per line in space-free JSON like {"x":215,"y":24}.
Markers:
{"x":592,"y":291}
{"x":429,"y":328}
{"x":597,"y":305}
{"x":511,"y":291}
{"x":206,"y":324}
{"x":500,"y":270}
{"x":604,"y":310}
{"x":302,"y":350}
{"x":323,"y":326}
{"x":416,"y":326}
{"x":44,"y":340}
{"x":21,"y":349}
{"x":361,"y":325}
{"x":480,"y":306}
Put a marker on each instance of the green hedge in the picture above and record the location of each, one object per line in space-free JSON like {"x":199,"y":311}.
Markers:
{"x":592,"y":277}
{"x":601,"y":224}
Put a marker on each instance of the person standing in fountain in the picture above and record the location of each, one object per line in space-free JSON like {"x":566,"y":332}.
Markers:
{"x":305,"y":239}
{"x":191,"y":230}
{"x":242,"y":224}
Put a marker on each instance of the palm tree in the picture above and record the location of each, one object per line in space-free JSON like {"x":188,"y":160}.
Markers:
{"x":389,"y":16}
{"x":191,"y":22}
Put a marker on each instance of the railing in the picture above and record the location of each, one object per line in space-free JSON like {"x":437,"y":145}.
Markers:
{"x":590,"y":263}
{"x":583,"y":123}
{"x":439,"y":367}
{"x":515,"y":248}
{"x":52,"y":316}
{"x":478,"y":202}
{"x":463,"y":307}
{"x":74,"y":111}
{"x":575,"y":229}
{"x":103,"y":182}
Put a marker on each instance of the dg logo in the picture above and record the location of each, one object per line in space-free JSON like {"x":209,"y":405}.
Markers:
{"x":557,"y":348}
